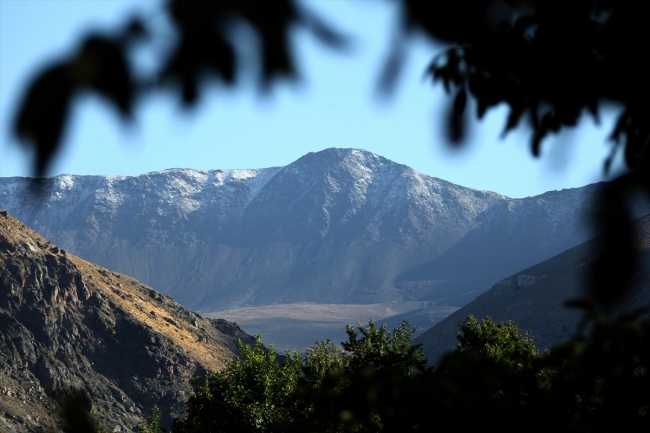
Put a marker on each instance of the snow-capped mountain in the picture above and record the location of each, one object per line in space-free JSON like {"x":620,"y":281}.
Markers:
{"x":336,"y":226}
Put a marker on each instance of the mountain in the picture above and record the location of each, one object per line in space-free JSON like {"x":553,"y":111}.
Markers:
{"x":336,"y":226}
{"x":65,"y":322}
{"x":535,"y":297}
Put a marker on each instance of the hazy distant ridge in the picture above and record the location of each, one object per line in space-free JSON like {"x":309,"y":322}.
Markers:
{"x":336,"y":226}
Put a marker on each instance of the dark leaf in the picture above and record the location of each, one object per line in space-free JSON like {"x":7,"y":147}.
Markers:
{"x":610,"y":158}
{"x":43,"y":114}
{"x":580,"y":303}
{"x":481,"y":108}
{"x":135,"y":30}
{"x":277,"y":60}
{"x":593,"y":110}
{"x":391,"y":70}
{"x":514,"y":117}
{"x":456,"y":123}
{"x":538,"y":136}
{"x":75,"y":410}
{"x":102,"y":66}
{"x":323,"y":31}
{"x":614,"y":266}
{"x":223,"y":59}
{"x":619,"y":128}
{"x":460,"y":102}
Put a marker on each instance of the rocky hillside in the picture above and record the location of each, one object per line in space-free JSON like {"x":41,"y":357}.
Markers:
{"x":337,"y":226}
{"x":534,"y":297}
{"x":65,"y":322}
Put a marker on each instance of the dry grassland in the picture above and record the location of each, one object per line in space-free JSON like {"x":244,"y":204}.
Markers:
{"x":125,"y":292}
{"x":298,"y":326}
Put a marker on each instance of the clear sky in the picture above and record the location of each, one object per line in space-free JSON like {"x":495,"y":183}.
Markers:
{"x":334,"y":105}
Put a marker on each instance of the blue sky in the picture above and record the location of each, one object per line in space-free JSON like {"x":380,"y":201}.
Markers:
{"x":334,"y":105}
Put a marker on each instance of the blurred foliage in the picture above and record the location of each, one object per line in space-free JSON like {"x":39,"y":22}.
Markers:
{"x":75,"y":410}
{"x":550,"y":62}
{"x":202,"y":51}
{"x":100,"y":65}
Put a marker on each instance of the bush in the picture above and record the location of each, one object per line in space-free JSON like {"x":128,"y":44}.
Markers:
{"x":256,"y":394}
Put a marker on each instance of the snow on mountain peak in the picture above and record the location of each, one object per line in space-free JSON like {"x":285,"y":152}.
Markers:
{"x":352,"y":180}
{"x":339,"y":224}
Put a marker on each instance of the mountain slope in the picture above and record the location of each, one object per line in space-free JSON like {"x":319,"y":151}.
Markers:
{"x":337,"y":226}
{"x":539,"y":307}
{"x":67,"y":322}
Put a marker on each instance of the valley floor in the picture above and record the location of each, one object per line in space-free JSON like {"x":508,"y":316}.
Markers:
{"x":298,"y":326}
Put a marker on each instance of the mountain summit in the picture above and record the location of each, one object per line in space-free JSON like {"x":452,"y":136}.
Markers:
{"x":336,"y":226}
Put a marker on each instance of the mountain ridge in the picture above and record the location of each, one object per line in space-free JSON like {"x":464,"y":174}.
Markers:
{"x":534,"y":297}
{"x":336,"y":226}
{"x":65,"y":322}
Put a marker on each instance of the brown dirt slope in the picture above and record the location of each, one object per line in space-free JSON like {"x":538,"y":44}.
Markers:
{"x":539,"y":308}
{"x":67,"y":322}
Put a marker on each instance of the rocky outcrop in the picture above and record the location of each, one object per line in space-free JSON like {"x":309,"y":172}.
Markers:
{"x":65,"y":322}
{"x":528,"y":280}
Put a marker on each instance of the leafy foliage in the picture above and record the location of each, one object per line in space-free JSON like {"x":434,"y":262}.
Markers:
{"x":496,"y":373}
{"x":498,"y":342}
{"x":383,"y":350}
{"x":495,"y":380}
{"x":150,"y":423}
{"x":254,"y":395}
{"x":372,"y":392}
{"x":329,"y":390}
{"x":601,"y":378}
{"x":595,"y":382}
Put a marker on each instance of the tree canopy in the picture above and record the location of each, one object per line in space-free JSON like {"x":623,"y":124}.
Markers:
{"x":361,"y":387}
{"x":495,"y":380}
